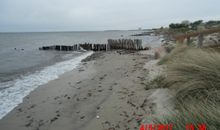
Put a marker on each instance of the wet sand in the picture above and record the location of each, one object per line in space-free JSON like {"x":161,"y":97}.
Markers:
{"x":106,"y":92}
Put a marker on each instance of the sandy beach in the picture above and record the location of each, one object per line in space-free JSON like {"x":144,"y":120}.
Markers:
{"x":105,"y":92}
{"x":109,"y":65}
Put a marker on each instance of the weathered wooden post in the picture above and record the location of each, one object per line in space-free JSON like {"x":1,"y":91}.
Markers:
{"x":99,"y":47}
{"x":107,"y":47}
{"x":136,"y":44}
{"x":200,"y":40}
{"x":117,"y":44}
{"x":76,"y":47}
{"x":57,"y":48}
{"x":133,"y":45}
{"x":111,"y":44}
{"x":130,"y":44}
{"x":126,"y":44}
{"x":95,"y":47}
{"x":123,"y":43}
{"x":188,"y":40}
{"x":140,"y":44}
{"x":90,"y":46}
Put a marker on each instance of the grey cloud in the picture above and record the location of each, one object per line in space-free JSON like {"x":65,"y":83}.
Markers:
{"x":61,"y":15}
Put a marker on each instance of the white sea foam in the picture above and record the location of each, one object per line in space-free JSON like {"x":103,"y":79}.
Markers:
{"x":16,"y":90}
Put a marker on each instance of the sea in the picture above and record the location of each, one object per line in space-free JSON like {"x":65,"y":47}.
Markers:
{"x":23,"y":67}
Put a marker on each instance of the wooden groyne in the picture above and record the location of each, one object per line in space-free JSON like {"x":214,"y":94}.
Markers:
{"x":127,"y":44}
{"x":77,"y":47}
{"x":112,"y":44}
{"x":60,"y":48}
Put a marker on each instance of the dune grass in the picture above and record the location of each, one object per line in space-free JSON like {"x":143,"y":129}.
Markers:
{"x":157,"y":82}
{"x":177,"y":52}
{"x":194,"y":75}
{"x":198,"y":113}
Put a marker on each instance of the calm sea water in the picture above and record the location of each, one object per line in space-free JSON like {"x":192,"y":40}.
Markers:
{"x":23,"y":67}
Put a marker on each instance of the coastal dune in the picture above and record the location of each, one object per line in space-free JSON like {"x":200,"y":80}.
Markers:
{"x":105,"y":92}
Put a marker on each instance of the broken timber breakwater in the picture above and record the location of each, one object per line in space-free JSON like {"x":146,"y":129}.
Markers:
{"x":112,"y":44}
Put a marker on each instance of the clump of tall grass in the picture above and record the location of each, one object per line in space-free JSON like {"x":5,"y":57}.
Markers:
{"x":196,"y":73}
{"x":178,"y":51}
{"x":198,"y":113}
{"x":157,"y":82}
{"x":157,"y":55}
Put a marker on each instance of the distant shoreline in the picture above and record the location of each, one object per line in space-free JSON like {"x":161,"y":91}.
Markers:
{"x":74,"y":31}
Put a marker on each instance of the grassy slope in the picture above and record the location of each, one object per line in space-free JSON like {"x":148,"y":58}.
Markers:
{"x":194,"y":75}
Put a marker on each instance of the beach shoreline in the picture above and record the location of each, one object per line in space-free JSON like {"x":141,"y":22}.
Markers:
{"x":105,"y":91}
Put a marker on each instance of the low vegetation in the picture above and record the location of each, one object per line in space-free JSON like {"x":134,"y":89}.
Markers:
{"x":193,"y":74}
{"x":157,"y":82}
{"x":196,"y":114}
{"x":174,"y":54}
{"x":187,"y":25}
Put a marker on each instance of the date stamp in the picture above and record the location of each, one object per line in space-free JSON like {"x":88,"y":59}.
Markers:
{"x":171,"y":126}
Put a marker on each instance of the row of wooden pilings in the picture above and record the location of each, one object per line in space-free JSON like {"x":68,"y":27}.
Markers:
{"x":127,"y":44}
{"x":61,"y":48}
{"x":94,"y":47}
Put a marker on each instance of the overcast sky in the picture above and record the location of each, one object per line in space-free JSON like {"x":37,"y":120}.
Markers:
{"x":82,"y":15}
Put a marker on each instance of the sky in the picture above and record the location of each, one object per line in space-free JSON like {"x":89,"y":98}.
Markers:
{"x":94,"y":15}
